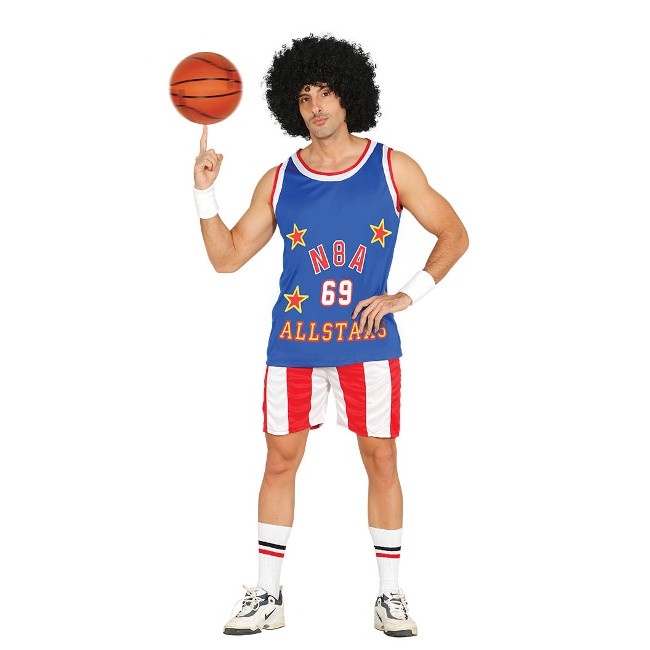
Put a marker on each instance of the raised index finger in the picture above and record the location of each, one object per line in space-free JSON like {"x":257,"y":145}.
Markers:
{"x":204,"y":139}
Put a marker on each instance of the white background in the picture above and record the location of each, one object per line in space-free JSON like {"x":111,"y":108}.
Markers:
{"x":131,"y":373}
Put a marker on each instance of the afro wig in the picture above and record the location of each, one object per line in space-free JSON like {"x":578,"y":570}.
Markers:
{"x":343,"y":66}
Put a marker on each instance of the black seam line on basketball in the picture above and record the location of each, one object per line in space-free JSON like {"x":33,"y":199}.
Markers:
{"x":216,"y":65}
{"x":184,"y":81}
{"x":388,"y":548}
{"x":278,"y":546}
{"x":184,"y":96}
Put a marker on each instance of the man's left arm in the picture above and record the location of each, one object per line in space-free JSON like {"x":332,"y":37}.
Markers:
{"x":436,"y":215}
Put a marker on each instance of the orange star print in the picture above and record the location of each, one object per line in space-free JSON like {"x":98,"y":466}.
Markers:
{"x":295,"y":300}
{"x":380,"y":233}
{"x":297,"y":236}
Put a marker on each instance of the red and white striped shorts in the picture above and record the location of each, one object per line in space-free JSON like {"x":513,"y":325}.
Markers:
{"x":367,"y":397}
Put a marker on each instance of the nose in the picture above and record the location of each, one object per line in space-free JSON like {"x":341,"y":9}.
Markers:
{"x":315,"y":107}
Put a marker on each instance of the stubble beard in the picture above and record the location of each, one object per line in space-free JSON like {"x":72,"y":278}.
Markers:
{"x":324,"y":131}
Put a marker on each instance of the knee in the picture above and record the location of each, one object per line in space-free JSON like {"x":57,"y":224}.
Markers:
{"x":381,"y":464}
{"x":279,"y":464}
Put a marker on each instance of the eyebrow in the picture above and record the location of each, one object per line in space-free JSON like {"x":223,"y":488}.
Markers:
{"x":302,"y":93}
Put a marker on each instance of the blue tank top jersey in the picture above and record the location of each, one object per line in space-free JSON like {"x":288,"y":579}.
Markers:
{"x":339,"y":231}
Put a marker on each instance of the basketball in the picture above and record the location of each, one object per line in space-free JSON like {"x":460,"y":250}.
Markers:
{"x":205,"y":87}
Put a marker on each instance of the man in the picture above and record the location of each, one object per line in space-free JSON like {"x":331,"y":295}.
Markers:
{"x":338,"y":204}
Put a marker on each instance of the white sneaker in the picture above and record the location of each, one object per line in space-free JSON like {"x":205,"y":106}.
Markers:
{"x":258,"y":611}
{"x":392,"y":616}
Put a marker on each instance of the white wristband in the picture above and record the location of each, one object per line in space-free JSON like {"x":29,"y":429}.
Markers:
{"x":418,"y":286}
{"x":206,"y":203}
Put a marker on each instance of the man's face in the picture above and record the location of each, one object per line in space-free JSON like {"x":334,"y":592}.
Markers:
{"x":321,"y":110}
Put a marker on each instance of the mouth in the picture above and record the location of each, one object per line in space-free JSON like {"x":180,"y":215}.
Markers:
{"x":319,"y":120}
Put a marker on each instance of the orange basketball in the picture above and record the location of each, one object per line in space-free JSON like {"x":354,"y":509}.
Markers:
{"x":205,"y":87}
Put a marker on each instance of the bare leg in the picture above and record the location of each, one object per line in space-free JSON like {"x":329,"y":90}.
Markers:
{"x":278,"y":490}
{"x":385,"y":505}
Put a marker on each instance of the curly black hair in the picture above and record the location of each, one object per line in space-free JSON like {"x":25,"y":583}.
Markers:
{"x":311,"y":60}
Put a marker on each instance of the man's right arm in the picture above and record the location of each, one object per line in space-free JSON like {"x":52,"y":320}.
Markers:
{"x":229,"y":249}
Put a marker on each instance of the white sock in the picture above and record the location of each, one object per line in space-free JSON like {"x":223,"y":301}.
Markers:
{"x":272,"y":542}
{"x":388,"y":546}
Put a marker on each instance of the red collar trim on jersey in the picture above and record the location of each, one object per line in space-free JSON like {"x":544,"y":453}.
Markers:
{"x":343,"y":171}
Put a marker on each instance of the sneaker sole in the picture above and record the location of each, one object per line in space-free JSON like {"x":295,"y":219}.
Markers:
{"x":239,"y":632}
{"x":399,"y":633}
{"x":242,"y":631}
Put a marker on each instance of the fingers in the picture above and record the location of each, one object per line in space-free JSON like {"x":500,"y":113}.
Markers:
{"x":372,"y":310}
{"x":360,"y":305}
{"x":372,"y":318}
{"x":207,"y":158}
{"x":211,"y":160}
{"x":207,"y":164}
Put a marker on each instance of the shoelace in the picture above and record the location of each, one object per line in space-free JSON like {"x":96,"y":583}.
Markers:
{"x":397,"y":605}
{"x":250,"y":602}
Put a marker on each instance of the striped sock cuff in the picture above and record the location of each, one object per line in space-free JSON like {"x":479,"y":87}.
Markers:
{"x":391,"y":552}
{"x":388,"y":543}
{"x":268,"y":548}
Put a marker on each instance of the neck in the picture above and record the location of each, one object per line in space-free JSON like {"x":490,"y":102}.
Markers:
{"x":334,"y":153}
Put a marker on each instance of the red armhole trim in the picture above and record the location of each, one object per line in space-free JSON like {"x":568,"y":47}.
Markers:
{"x":398,"y":205}
{"x":275,"y":184}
